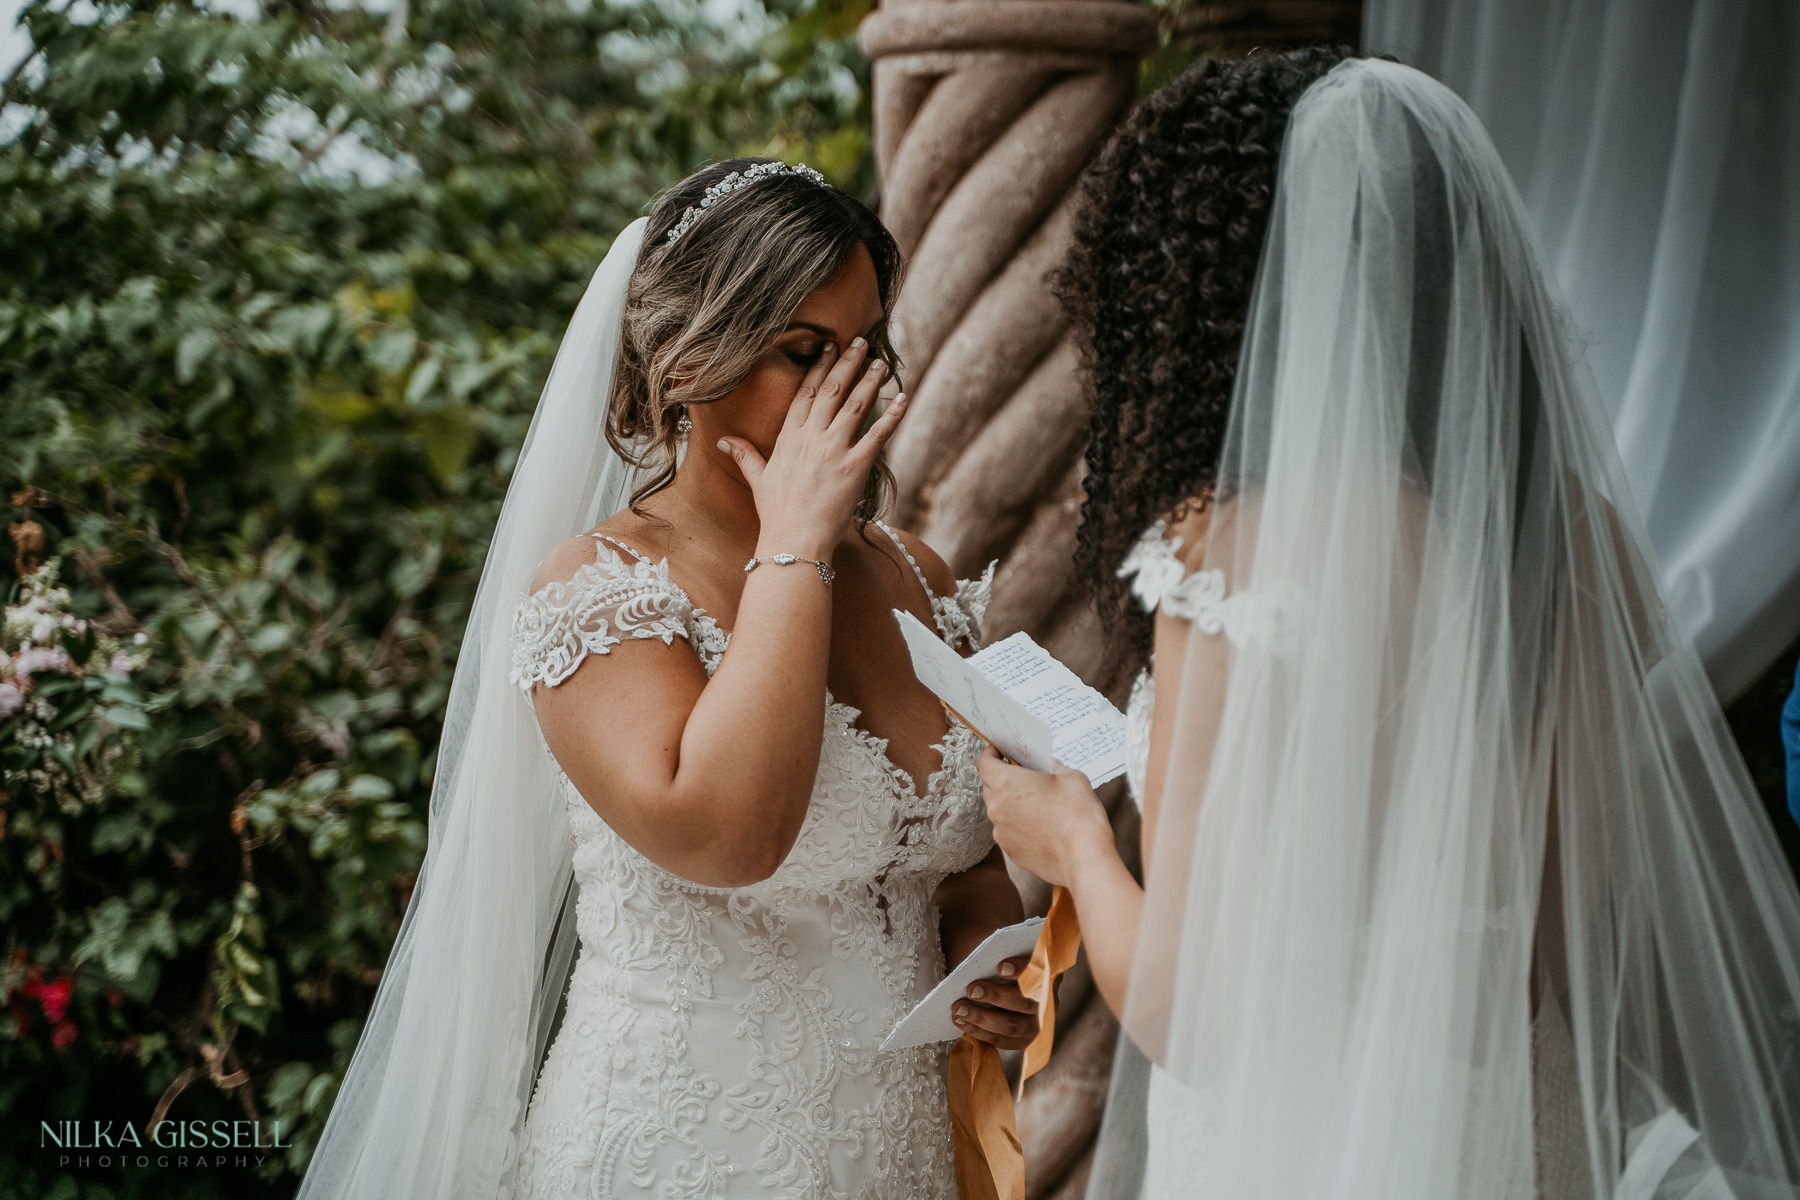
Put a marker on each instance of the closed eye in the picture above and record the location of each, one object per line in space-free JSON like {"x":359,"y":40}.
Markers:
{"x":806,"y":356}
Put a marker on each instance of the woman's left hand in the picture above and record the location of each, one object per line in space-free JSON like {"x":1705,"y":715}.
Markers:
{"x":1045,"y":823}
{"x":997,"y":1012}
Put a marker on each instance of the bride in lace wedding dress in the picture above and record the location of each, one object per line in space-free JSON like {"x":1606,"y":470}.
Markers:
{"x":1455,"y":884}
{"x":699,"y":837}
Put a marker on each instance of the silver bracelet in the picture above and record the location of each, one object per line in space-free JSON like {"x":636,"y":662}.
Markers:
{"x":826,"y":571}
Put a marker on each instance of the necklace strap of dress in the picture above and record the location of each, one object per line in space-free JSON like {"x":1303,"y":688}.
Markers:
{"x":612,"y":541}
{"x":910,"y":560}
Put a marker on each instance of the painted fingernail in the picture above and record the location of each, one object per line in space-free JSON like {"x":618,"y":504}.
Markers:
{"x":877,"y":367}
{"x":1008,"y":970}
{"x":962,"y":1010}
{"x":725,"y":445}
{"x":829,"y":348}
{"x":977,"y":992}
{"x":857,"y":343}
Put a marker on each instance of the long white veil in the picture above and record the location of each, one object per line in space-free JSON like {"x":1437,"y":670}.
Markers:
{"x":1459,"y":888}
{"x":436,"y":1092}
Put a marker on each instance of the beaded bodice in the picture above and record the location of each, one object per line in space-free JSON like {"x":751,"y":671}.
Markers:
{"x":721,"y":1042}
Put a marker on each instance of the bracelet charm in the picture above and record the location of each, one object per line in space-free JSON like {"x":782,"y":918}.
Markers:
{"x":826,"y":571}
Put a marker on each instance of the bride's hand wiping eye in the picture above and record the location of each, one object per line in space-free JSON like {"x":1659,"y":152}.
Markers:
{"x":807,"y":489}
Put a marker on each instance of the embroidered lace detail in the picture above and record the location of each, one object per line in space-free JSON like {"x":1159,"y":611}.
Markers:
{"x":608,"y":600}
{"x":959,"y":616}
{"x":720,"y":1044}
{"x":1161,"y":581}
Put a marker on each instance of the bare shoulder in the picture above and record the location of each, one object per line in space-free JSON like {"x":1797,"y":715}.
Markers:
{"x":625,"y":528}
{"x":1195,"y":530}
{"x":937,"y":572}
{"x":564,"y":559}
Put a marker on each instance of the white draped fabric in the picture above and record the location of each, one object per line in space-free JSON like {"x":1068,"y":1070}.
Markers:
{"x":433,"y":1104}
{"x":1657,"y":147}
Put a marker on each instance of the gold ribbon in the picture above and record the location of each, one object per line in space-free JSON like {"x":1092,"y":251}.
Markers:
{"x":989,"y":1163}
{"x":1058,"y":942}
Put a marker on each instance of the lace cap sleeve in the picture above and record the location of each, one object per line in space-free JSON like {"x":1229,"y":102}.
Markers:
{"x":608,"y":601}
{"x":1160,"y":580}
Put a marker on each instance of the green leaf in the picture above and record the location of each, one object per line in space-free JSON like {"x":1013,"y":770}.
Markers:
{"x":126,"y":718}
{"x":449,"y":443}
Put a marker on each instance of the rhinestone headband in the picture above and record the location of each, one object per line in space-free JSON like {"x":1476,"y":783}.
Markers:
{"x":733,"y":182}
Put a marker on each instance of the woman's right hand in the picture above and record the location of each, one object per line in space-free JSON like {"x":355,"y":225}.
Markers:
{"x":1050,"y":824}
{"x":807,"y":489}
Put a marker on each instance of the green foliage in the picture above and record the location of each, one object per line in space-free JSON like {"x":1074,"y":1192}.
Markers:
{"x":276,"y":300}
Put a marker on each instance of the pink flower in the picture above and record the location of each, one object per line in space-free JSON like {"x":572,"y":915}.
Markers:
{"x":62,"y":1035}
{"x":121,"y":663}
{"x":33,"y":659}
{"x":11,"y":697}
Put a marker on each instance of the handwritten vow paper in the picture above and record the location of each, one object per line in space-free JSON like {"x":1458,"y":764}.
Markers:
{"x":1030,"y":706}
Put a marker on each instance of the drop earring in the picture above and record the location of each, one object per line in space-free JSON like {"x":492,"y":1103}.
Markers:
{"x":684,"y":426}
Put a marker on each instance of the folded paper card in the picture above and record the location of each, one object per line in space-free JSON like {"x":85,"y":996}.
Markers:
{"x":929,"y":1021}
{"x":1030,"y":706}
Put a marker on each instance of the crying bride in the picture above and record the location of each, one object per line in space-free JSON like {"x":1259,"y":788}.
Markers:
{"x":694,"y":846}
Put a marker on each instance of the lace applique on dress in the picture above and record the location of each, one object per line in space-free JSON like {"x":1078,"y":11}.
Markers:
{"x":723,"y":1043}
{"x":1161,"y":581}
{"x":608,"y":600}
{"x":958,"y":617}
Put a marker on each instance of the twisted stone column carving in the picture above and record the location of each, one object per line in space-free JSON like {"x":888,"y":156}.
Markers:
{"x":985,"y":113}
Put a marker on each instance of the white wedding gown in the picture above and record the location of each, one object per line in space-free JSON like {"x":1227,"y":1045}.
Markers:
{"x":1179,"y":1115}
{"x":721,"y":1043}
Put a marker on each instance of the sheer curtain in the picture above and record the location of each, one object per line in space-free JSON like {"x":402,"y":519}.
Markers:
{"x":1657,"y":147}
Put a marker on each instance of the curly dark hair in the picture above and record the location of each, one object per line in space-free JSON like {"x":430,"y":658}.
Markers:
{"x":1168,"y":234}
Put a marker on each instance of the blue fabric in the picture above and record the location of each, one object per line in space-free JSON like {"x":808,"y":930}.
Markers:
{"x":1790,"y":738}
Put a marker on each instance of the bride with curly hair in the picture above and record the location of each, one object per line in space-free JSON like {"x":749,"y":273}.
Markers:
{"x":1455,"y":883}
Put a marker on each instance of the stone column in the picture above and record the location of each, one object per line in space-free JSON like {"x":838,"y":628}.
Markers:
{"x":985,"y":113}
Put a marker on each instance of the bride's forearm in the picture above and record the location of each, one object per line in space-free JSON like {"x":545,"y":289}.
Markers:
{"x":1109,"y":903}
{"x":754,"y":734}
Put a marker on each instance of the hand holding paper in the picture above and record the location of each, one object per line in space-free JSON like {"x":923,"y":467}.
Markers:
{"x":1031,"y":707}
{"x":929,"y":1021}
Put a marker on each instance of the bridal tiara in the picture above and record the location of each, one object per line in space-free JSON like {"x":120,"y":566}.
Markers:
{"x":733,"y":182}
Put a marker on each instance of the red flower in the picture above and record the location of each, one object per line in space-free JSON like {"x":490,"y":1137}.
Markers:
{"x":55,"y":999}
{"x":62,"y":1035}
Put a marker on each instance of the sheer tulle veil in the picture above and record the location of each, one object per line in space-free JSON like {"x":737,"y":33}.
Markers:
{"x":1466,"y":803}
{"x":436,"y":1092}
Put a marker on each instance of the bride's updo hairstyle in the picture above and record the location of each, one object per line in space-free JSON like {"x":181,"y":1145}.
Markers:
{"x":703,"y":309}
{"x":1168,"y":233}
